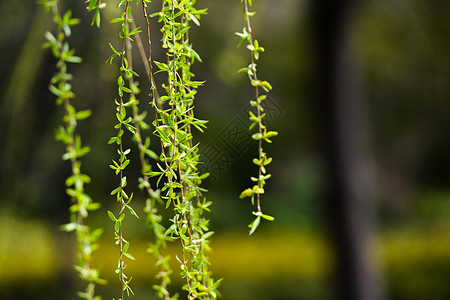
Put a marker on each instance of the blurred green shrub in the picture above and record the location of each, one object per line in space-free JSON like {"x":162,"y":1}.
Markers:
{"x":295,"y":265}
{"x":27,"y":251}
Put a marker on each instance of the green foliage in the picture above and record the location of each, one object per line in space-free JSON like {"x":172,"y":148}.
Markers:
{"x":125,"y":100}
{"x":154,"y":219}
{"x":177,"y":174}
{"x":95,"y":6}
{"x":173,"y":126}
{"x":257,"y":119}
{"x":81,"y":202}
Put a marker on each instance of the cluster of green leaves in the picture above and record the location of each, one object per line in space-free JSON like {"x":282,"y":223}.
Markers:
{"x":123,"y":103}
{"x":153,"y":218}
{"x":257,"y":119}
{"x":95,"y":6}
{"x":178,"y":173}
{"x":81,"y":202}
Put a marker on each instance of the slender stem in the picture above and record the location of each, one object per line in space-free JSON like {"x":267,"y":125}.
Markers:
{"x":137,"y":134}
{"x":258,"y":111}
{"x":140,"y":47}
{"x":67,"y":134}
{"x":173,"y":88}
{"x":121,"y":160}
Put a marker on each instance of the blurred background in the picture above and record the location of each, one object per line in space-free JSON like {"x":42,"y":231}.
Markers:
{"x":400,"y":53}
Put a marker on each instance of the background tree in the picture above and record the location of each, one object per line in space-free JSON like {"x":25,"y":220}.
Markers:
{"x":342,"y":111}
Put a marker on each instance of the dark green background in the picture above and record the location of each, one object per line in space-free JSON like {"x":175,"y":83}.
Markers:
{"x":402,"y":48}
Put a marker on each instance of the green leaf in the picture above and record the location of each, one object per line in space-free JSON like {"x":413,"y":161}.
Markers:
{"x":135,"y":31}
{"x":267,"y":161}
{"x":243,"y":70}
{"x":161,"y":66}
{"x":124,"y":165}
{"x":112,"y":140}
{"x":68,"y":227}
{"x":266,"y":86}
{"x":116,"y":190}
{"x":257,"y":136}
{"x":244,"y":35}
{"x":261,"y":98}
{"x":270,"y":134}
{"x":117,"y":20}
{"x":129,"y":256}
{"x":121,"y":2}
{"x":125,"y":89}
{"x":95,"y":234}
{"x":253,"y":225}
{"x":162,"y":134}
{"x":183,"y":2}
{"x":83,"y":151}
{"x":260,"y":214}
{"x":123,"y":112}
{"x":55,"y":90}
{"x":204,"y":175}
{"x":111,"y":58}
{"x":74,"y":59}
{"x":96,"y":18}
{"x":68,"y":155}
{"x":114,"y":50}
{"x":50,"y":37}
{"x":182,"y":32}
{"x":121,"y":217}
{"x":246,"y":193}
{"x":84,"y":114}
{"x":123,"y":183}
{"x":132,"y":211}
{"x":92,"y":5}
{"x":153,"y":174}
{"x":130,"y":128}
{"x":258,"y":190}
{"x":268,"y":218}
{"x":194,"y":19}
{"x":93,"y":206}
{"x":111,"y":216}
{"x":256,"y":82}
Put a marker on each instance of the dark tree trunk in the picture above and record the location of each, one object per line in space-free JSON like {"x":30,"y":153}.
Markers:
{"x":341,"y":114}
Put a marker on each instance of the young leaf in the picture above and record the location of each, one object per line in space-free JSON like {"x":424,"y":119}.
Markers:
{"x":253,"y":225}
{"x":111,"y":216}
{"x":84,"y":114}
{"x":246,"y":193}
{"x":267,"y":217}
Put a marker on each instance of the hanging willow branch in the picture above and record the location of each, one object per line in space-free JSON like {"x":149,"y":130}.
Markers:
{"x":81,"y":202}
{"x":257,"y":119}
{"x":179,"y":157}
{"x":125,"y":100}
